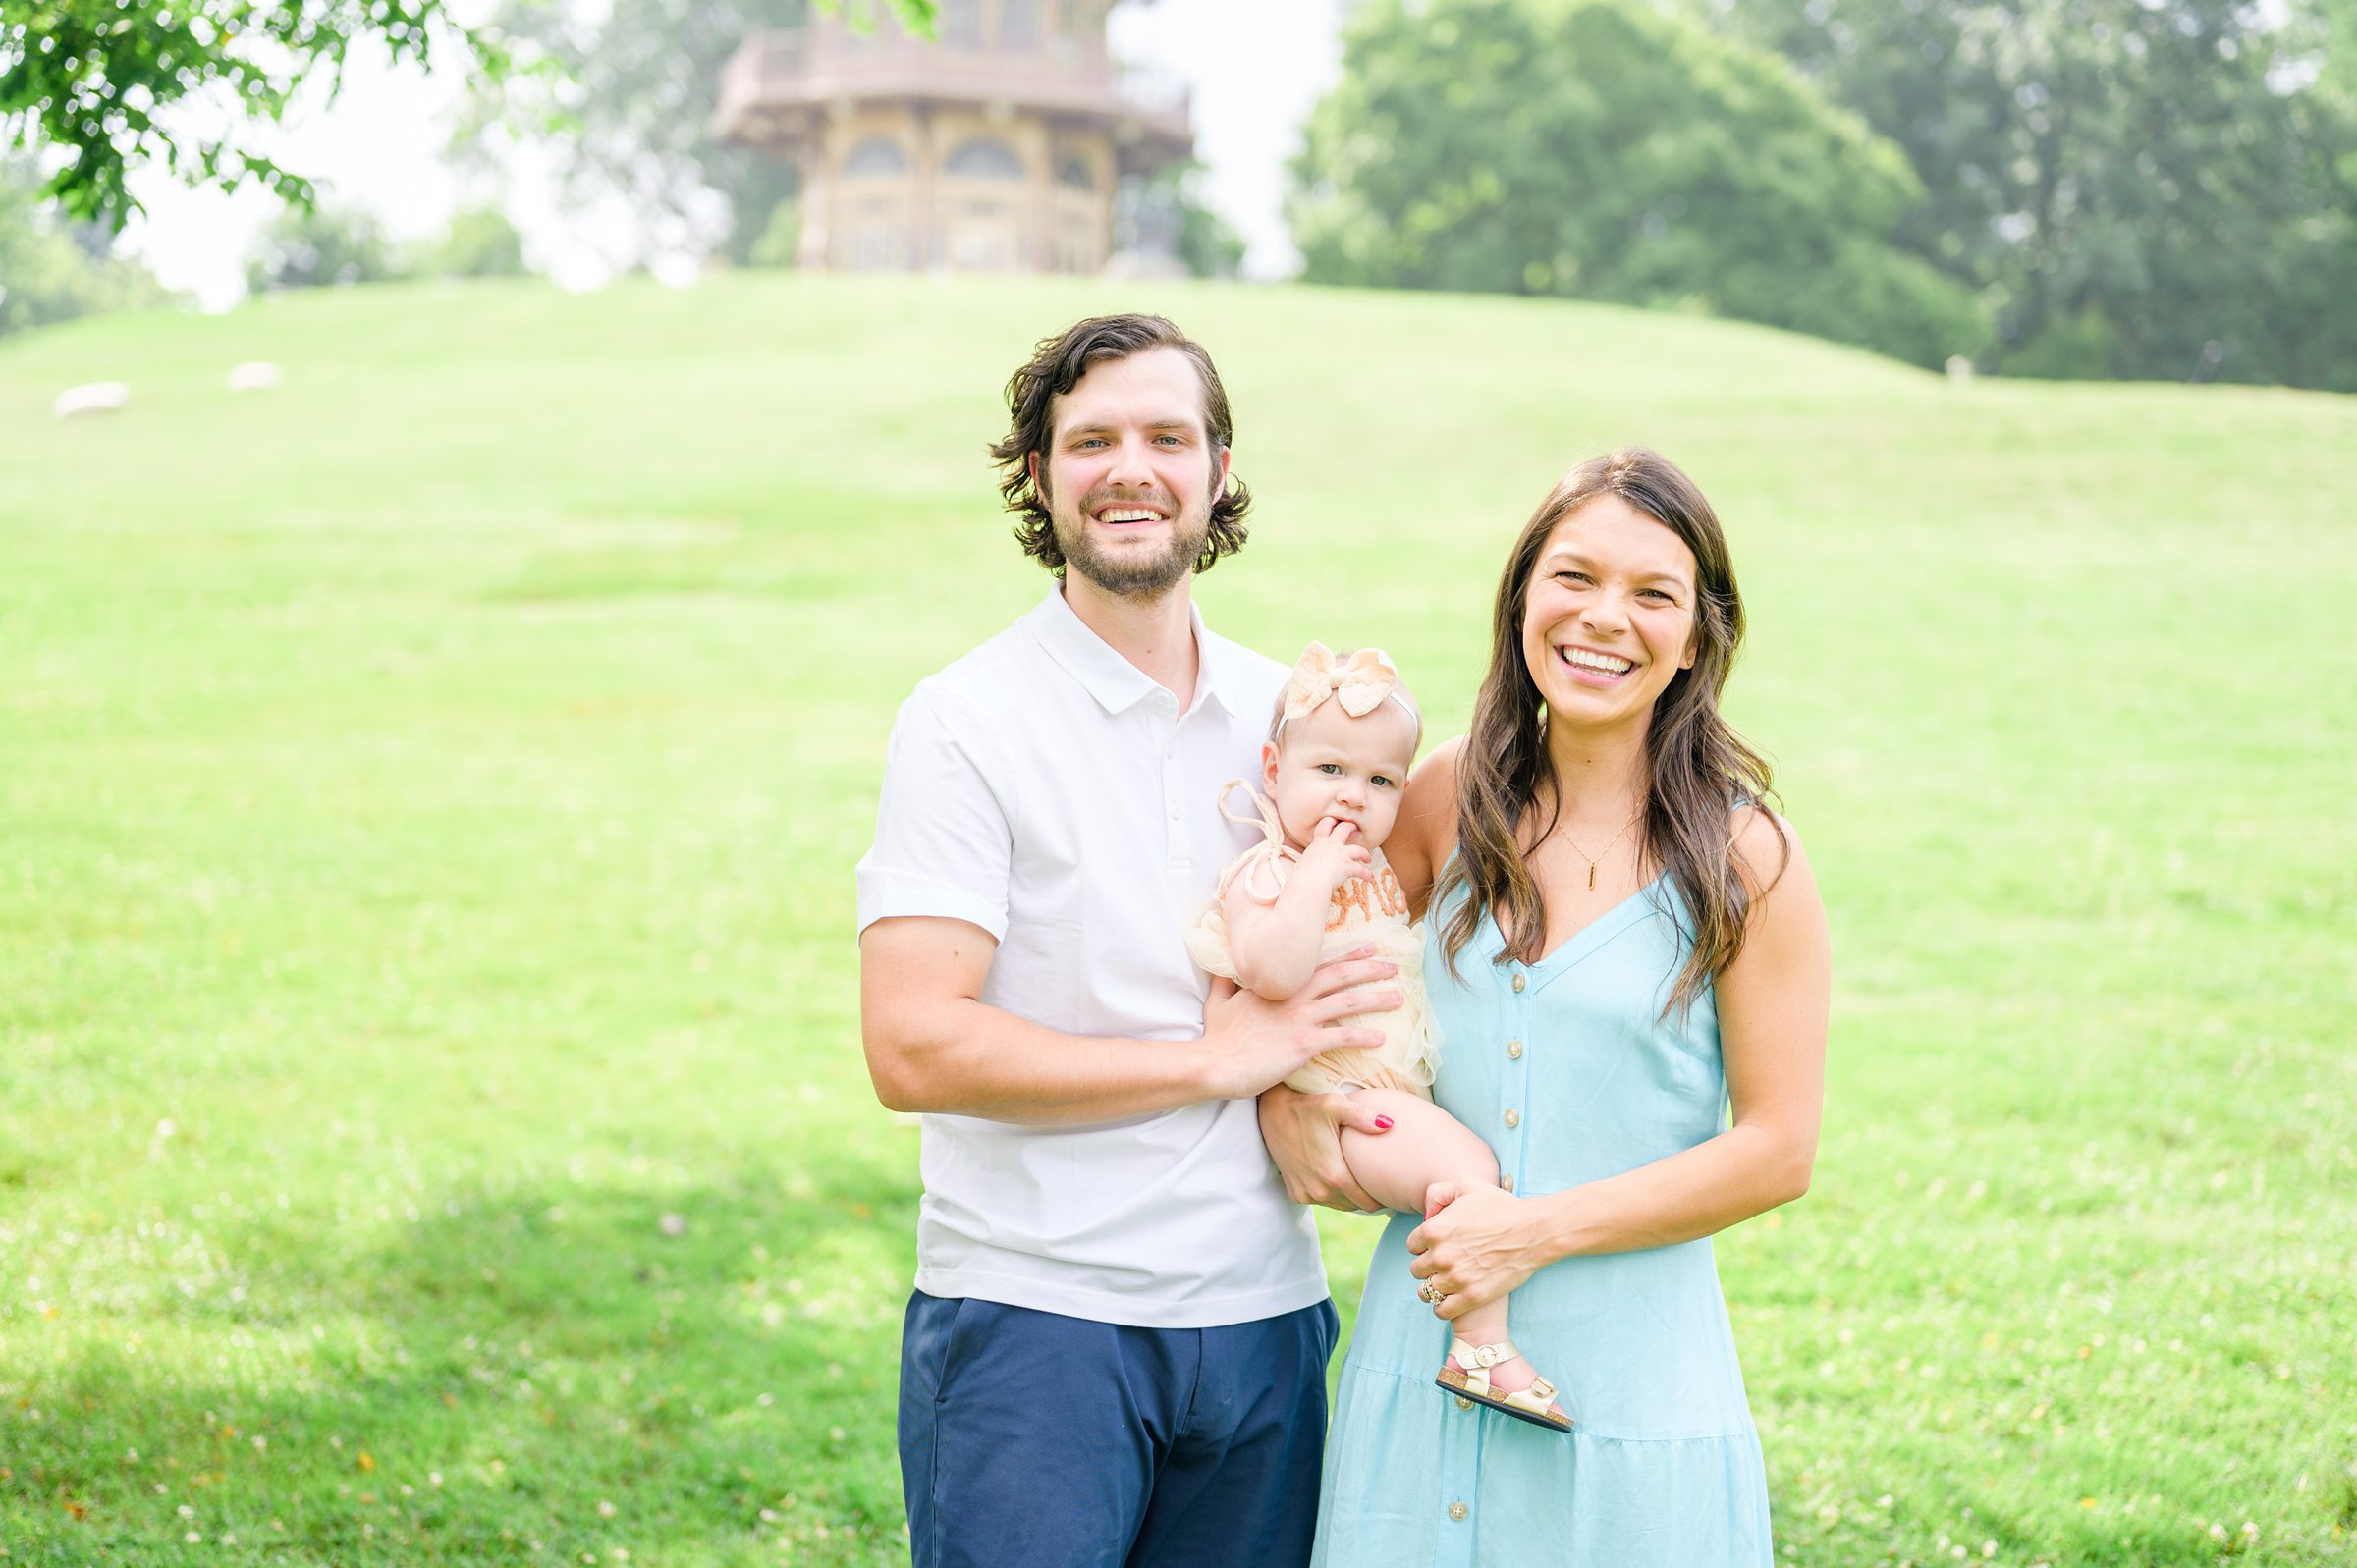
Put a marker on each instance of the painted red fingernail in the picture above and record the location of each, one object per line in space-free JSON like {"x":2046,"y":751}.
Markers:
{"x":1382,"y":1123}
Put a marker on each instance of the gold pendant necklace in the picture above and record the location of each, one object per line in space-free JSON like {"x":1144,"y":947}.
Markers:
{"x":1592,"y":859}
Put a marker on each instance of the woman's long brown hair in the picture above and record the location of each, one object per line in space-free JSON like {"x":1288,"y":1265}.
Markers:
{"x":1699,"y":771}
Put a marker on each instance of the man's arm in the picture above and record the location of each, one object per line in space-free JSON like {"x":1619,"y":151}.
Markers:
{"x":933,"y":1045}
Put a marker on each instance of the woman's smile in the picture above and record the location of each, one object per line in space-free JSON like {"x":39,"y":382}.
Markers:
{"x":1593,"y":666}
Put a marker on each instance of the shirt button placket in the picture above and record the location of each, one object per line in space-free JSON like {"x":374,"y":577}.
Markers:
{"x":1174,"y":808}
{"x":1457,"y":1536}
{"x":1457,"y":1484}
{"x":1516,"y":1083}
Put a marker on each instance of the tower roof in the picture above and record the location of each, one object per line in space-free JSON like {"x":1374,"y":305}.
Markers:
{"x":1003,"y":56}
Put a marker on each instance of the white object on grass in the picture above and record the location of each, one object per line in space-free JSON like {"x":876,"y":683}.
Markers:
{"x":92,"y":397}
{"x":255,"y":375}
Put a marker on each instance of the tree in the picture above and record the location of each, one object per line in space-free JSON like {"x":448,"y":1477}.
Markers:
{"x":1207,"y":244}
{"x":2135,"y":188}
{"x":1163,"y":216}
{"x":99,"y":79}
{"x":480,"y":243}
{"x":1597,"y":148}
{"x":628,"y":99}
{"x":54,"y":270}
{"x":323,"y":248}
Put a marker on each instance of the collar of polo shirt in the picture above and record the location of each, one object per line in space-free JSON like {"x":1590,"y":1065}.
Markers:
{"x":1120,"y":686}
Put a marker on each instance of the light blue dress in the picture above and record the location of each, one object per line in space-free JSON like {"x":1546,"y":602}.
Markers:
{"x":1663,"y":1466}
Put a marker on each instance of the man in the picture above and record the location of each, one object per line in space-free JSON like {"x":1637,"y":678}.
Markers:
{"x":1115,"y":1350}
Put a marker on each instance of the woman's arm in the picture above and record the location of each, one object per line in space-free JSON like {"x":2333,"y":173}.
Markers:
{"x":1425,"y":834}
{"x":1773,"y":1004}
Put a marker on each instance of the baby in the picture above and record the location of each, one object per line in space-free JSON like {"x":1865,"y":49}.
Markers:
{"x":1334,"y":767}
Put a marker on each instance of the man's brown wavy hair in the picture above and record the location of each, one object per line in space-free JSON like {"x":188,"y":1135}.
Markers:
{"x":1699,"y":772}
{"x":1057,"y":367}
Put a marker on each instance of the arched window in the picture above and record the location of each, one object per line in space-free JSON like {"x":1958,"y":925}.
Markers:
{"x":984,"y":158}
{"x":875,"y":158}
{"x":1076,"y":174}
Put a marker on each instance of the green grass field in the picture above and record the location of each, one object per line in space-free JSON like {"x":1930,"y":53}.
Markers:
{"x":432,"y":1125}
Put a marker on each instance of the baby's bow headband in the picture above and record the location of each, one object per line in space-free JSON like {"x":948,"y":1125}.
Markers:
{"x":1359,"y":683}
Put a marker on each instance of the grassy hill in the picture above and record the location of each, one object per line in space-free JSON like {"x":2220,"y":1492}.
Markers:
{"x":432,"y":1125}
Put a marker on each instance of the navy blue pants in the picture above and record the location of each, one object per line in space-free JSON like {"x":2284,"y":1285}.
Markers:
{"x":1034,"y":1440}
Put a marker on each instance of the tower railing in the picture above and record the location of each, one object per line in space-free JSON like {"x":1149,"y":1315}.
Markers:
{"x":811,"y":66}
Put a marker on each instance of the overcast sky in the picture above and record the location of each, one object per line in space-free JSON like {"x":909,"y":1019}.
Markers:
{"x":1255,"y":67}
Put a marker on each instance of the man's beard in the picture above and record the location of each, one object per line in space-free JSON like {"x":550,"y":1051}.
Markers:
{"x":1132,"y":574}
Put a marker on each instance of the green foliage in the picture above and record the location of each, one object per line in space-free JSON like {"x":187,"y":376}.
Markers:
{"x":626,"y":101}
{"x":626,"y":98}
{"x":1161,"y":218}
{"x":54,"y":270}
{"x":779,"y":244}
{"x":481,"y":243}
{"x":2156,"y":189}
{"x":433,"y":792}
{"x":91,"y":76}
{"x":322,"y":248}
{"x":1206,"y":243}
{"x":2082,"y":346}
{"x":1593,"y":147}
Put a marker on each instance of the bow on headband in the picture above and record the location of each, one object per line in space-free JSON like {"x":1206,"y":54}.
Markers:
{"x":1359,"y":683}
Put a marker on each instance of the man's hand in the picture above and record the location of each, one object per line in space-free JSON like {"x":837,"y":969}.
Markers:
{"x":1253,"y":1043}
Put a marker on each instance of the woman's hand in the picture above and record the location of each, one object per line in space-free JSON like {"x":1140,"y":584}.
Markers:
{"x":1305,"y":1137}
{"x":1476,"y":1244}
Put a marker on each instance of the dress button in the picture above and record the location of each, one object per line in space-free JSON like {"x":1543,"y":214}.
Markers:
{"x":1513,"y":1050}
{"x":1506,"y":1185}
{"x":1514,"y":1118}
{"x":1463,"y":1403}
{"x":1518,"y":982}
{"x":1457,"y":1510}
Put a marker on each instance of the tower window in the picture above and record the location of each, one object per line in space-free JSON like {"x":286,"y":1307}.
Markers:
{"x":875,"y":158}
{"x":984,"y":158}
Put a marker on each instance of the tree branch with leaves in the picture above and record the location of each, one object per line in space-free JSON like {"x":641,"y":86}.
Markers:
{"x":114,"y":85}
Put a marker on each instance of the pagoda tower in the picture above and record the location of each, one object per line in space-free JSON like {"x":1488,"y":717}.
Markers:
{"x":998,"y":149}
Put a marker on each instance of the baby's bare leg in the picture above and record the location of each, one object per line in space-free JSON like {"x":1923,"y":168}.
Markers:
{"x":1427,"y":1145}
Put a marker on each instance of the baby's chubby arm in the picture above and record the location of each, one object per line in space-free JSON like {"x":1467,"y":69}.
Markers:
{"x":1276,"y":944}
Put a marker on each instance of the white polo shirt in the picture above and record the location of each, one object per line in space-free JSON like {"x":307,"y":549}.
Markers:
{"x":1046,"y":789}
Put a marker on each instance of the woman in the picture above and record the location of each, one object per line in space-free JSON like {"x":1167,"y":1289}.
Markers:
{"x":1620,"y":941}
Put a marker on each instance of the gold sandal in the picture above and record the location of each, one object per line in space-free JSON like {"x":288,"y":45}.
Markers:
{"x":1534,"y":1404}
